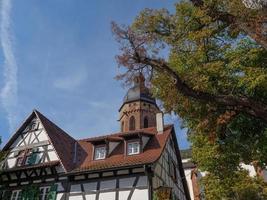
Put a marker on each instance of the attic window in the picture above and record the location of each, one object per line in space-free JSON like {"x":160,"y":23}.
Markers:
{"x":27,"y":157}
{"x":100,"y":153}
{"x":133,"y":148}
{"x":33,"y":125}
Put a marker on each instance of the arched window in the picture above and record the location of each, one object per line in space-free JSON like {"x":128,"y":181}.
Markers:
{"x":132,"y":123}
{"x":122,"y":126}
{"x":145,"y":122}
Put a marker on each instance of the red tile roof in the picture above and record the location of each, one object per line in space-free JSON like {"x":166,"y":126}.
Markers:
{"x":118,"y":158}
{"x":65,"y":147}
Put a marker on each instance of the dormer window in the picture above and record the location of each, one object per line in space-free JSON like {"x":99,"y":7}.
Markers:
{"x":100,"y":153}
{"x":133,"y":148}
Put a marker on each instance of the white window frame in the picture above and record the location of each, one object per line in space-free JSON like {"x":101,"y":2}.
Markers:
{"x":132,"y":149}
{"x":16,"y":194}
{"x":44,"y":194}
{"x":98,"y":155}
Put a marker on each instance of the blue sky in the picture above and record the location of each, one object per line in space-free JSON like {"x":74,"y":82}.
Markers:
{"x":58,"y":56}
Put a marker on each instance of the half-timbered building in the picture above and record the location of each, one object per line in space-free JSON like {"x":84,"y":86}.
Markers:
{"x":133,"y":164}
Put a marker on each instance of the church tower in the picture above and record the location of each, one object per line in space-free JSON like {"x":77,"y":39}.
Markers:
{"x":139,"y":108}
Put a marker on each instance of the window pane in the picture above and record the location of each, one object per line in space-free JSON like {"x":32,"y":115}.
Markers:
{"x":100,"y":153}
{"x":44,"y":192}
{"x":133,"y":148}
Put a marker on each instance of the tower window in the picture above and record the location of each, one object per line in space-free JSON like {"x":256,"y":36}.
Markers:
{"x":145,"y":122}
{"x":122,"y":126}
{"x":132,"y":123}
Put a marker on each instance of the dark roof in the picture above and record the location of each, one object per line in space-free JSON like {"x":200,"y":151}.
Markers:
{"x":62,"y":142}
{"x":139,"y":92}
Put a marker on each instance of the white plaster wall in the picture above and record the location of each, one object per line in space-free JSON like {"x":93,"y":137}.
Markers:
{"x":59,"y":196}
{"x":52,"y":155}
{"x":42,"y":136}
{"x":107,"y":196}
{"x":11,"y":162}
{"x":123,"y":195}
{"x":76,"y":197}
{"x":140,"y":194}
{"x":189,"y":182}
{"x":90,"y":196}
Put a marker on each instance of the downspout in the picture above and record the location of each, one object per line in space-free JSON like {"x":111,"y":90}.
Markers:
{"x":149,"y":173}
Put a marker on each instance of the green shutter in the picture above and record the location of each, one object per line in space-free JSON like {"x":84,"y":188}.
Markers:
{"x":30,"y":193}
{"x":32,"y":159}
{"x":52,"y":195}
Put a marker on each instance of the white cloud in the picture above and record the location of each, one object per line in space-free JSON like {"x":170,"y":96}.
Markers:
{"x":71,"y":81}
{"x":8,"y":94}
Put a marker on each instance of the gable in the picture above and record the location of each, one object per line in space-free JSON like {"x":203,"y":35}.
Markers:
{"x":30,"y":139}
{"x":32,"y":135}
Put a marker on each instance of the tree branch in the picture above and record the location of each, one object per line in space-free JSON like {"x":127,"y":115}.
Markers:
{"x":242,"y":104}
{"x":256,"y":28}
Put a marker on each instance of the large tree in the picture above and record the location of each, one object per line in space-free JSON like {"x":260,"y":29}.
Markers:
{"x":207,"y":62}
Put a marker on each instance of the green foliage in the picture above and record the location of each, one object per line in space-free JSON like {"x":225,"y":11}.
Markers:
{"x":214,"y":57}
{"x":30,"y":193}
{"x":239,"y":186}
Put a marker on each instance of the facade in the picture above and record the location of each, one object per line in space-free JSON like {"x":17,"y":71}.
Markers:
{"x":44,"y":161}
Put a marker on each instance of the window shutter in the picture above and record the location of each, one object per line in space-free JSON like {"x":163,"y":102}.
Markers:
{"x":52,"y":195}
{"x":32,"y":159}
{"x":30,"y":193}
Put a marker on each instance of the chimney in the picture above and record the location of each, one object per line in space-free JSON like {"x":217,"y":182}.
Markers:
{"x":160,"y":123}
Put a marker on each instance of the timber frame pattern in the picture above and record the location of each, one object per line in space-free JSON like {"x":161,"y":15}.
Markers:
{"x":69,"y":164}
